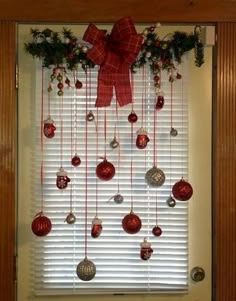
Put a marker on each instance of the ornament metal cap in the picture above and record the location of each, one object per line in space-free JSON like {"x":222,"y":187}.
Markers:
{"x":96,"y":221}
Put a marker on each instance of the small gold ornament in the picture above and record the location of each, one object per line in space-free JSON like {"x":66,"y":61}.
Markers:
{"x":86,"y":270}
{"x":70,"y":219}
{"x":173,"y":132}
{"x":114,"y":143}
{"x":155,"y":177}
{"x":171,"y":201}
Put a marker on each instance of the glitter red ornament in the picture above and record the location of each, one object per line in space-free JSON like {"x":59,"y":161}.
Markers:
{"x":145,"y":250}
{"x":105,"y":170}
{"x":75,"y":161}
{"x":41,"y":225}
{"x":78,"y":84}
{"x":156,"y":231}
{"x":132,"y":118}
{"x":142,"y":138}
{"x":160,"y":100}
{"x":131,"y":223}
{"x":96,"y":227}
{"x":49,"y":128}
{"x":62,"y":179}
{"x":182,"y":190}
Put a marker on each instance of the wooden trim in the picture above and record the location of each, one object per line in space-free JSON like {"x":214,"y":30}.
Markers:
{"x":82,"y":11}
{"x":7,"y":159}
{"x":225,"y":164}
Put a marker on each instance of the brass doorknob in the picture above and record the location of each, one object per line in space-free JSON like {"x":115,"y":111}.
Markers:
{"x":197,"y":274}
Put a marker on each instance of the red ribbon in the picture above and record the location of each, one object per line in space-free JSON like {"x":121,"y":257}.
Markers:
{"x":114,"y":52}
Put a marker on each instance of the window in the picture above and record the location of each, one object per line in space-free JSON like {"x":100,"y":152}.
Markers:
{"x":174,"y":221}
{"x":115,"y":253}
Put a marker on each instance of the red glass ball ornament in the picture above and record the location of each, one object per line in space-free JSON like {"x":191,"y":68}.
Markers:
{"x":142,"y":141}
{"x":156,"y":231}
{"x":75,"y":161}
{"x":132,"y":118}
{"x":131,"y":223}
{"x":105,"y":170}
{"x":49,"y":128}
{"x":78,"y":84}
{"x":182,"y":190}
{"x":60,"y":86}
{"x":41,"y":225}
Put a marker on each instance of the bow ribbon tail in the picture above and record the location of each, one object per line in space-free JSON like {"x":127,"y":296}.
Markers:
{"x":104,"y":88}
{"x":122,"y":85}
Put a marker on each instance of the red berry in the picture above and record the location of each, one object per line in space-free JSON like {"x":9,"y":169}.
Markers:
{"x":60,"y":86}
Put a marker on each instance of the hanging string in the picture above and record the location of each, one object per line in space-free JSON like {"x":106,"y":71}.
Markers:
{"x":49,"y":103}
{"x":97,"y":131}
{"x":86,"y":164}
{"x":41,"y":140}
{"x":71,"y":143}
{"x":182,"y":114}
{"x":76,"y":119}
{"x":171,"y":126}
{"x":61,"y":125}
{"x":143,"y":92}
{"x":118,"y":137}
{"x":131,"y":150}
{"x":156,"y":210}
{"x":105,"y":133}
{"x":154,"y":138}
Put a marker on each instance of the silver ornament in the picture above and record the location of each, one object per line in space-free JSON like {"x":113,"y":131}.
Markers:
{"x":155,"y":177}
{"x":173,"y":132}
{"x":90,"y":116}
{"x":70,"y":219}
{"x":114,"y":143}
{"x":171,"y":201}
{"x":86,"y":270}
{"x":118,"y":198}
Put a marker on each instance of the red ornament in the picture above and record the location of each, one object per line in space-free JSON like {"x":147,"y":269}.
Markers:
{"x":41,"y":225}
{"x":182,"y":190}
{"x":178,"y":76}
{"x":78,"y":84}
{"x":131,"y":223}
{"x":75,"y":161}
{"x":62,"y":179}
{"x":146,"y":250}
{"x":96,"y":227}
{"x":105,"y":170}
{"x":49,"y":128}
{"x":60,"y":86}
{"x":142,"y":138}
{"x":132,"y":118}
{"x":156,"y":231}
{"x":160,"y":101}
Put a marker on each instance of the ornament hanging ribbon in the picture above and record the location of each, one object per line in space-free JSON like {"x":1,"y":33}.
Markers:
{"x":114,"y":53}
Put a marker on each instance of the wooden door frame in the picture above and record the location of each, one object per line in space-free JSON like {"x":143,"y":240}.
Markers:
{"x":223,"y":14}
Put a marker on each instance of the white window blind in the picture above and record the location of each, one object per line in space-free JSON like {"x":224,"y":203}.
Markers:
{"x":115,"y":253}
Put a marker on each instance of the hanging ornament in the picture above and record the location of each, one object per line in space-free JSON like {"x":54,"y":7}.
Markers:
{"x":105,"y":170}
{"x":78,"y":84}
{"x":71,"y":218}
{"x":156,"y":231}
{"x":118,"y":198}
{"x":131,"y":223}
{"x":155,"y":177}
{"x":41,"y":225}
{"x":173,"y":132}
{"x":49,"y":128}
{"x":142,"y":138}
{"x":90,"y":116}
{"x":182,"y":190}
{"x":62,"y":179}
{"x":171,"y":201}
{"x":96,"y":227}
{"x":132,"y":118}
{"x":145,"y":250}
{"x":86,"y":270}
{"x":114,"y":143}
{"x":75,"y":161}
{"x":160,"y":100}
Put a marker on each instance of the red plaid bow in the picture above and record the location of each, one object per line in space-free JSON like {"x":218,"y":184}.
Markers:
{"x":114,"y":53}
